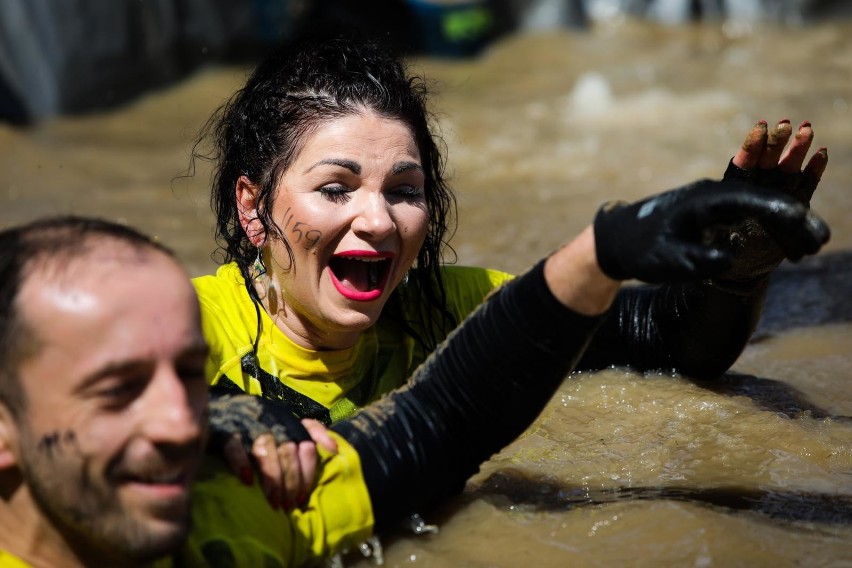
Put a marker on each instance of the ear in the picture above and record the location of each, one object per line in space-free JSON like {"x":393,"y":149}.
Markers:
{"x":246,"y":194}
{"x":8,"y":439}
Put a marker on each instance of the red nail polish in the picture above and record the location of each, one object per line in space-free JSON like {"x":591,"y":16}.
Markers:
{"x":804,"y":124}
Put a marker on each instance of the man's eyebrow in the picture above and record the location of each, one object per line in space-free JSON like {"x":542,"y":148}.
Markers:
{"x":197,"y":350}
{"x":114,"y":368}
{"x":354,"y":167}
{"x":401,"y":167}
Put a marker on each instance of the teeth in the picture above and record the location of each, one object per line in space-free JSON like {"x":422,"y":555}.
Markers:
{"x":364,"y":258}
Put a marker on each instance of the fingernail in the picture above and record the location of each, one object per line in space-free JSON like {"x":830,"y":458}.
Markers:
{"x":246,"y":475}
{"x":783,"y":121}
{"x":805,"y":124}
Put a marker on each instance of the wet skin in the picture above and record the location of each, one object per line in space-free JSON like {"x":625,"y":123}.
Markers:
{"x":113,"y":430}
{"x":352,"y":208}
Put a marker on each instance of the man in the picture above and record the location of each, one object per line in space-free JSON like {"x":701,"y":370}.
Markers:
{"x":103,"y":397}
{"x":103,"y":400}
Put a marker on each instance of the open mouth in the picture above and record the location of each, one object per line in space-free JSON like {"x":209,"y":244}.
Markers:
{"x":360,"y":276}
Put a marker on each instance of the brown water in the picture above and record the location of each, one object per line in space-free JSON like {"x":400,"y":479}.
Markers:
{"x":754,"y":470}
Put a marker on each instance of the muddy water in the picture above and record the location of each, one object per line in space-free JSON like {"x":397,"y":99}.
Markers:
{"x":621,"y":469}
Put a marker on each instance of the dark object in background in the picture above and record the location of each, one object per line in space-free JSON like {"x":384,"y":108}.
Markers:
{"x":74,"y":56}
{"x":442,"y":28}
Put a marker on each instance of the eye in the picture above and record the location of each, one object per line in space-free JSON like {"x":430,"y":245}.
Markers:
{"x":407,"y":192}
{"x":121,"y":391}
{"x":191,"y":373}
{"x":335,"y":193}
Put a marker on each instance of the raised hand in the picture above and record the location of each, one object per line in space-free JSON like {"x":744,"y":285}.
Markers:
{"x":685,"y":234}
{"x":736,"y":230}
{"x":765,"y":159}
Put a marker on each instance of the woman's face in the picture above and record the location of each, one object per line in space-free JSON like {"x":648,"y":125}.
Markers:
{"x":352,"y":208}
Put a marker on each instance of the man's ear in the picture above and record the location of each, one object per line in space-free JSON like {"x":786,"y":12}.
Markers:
{"x":8,"y":439}
{"x":246,"y":195}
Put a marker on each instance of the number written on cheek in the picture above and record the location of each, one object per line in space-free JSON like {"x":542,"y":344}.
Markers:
{"x":300,"y":231}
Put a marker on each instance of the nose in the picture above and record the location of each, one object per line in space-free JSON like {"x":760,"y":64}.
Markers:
{"x":174,"y":409}
{"x":374,"y":220}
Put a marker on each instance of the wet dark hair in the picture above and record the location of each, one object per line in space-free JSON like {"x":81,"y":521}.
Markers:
{"x":30,"y":249}
{"x":259,"y":131}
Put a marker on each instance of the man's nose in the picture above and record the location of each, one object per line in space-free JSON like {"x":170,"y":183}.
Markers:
{"x":175,"y":408}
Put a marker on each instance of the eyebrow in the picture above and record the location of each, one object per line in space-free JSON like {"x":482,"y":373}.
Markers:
{"x":196,"y":350}
{"x":354,"y":167}
{"x":406,"y":166}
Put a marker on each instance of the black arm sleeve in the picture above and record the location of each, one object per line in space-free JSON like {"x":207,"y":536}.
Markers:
{"x":480,"y":389}
{"x":698,"y":330}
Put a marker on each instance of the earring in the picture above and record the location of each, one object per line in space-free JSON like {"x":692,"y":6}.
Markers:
{"x":257,"y":268}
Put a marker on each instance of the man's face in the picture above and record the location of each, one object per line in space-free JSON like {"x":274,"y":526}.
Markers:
{"x":113,"y":428}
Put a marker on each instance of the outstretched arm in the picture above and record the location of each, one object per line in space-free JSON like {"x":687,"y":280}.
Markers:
{"x":495,"y":373}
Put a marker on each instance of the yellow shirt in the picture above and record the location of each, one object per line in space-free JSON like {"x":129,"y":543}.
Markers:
{"x":328,"y":385}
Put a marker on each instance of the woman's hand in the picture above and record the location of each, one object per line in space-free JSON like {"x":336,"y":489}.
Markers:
{"x":735,"y":230}
{"x":253,"y":433}
{"x":766,"y":160}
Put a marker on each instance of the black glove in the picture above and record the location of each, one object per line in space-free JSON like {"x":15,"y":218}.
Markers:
{"x":689,"y":233}
{"x":755,"y":252}
{"x":250,"y":416}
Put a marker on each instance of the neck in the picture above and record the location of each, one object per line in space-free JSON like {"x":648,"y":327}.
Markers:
{"x":299,"y":329}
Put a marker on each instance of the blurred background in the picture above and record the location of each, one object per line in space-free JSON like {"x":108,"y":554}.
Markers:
{"x":547,"y":108}
{"x":69,"y":56}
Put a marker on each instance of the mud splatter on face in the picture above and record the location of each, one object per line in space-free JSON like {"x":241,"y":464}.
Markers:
{"x":55,"y":443}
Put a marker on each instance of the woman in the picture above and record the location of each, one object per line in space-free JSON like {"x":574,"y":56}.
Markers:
{"x":332,"y":213}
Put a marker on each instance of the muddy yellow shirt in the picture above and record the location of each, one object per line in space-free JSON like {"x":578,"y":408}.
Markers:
{"x":327,"y":385}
